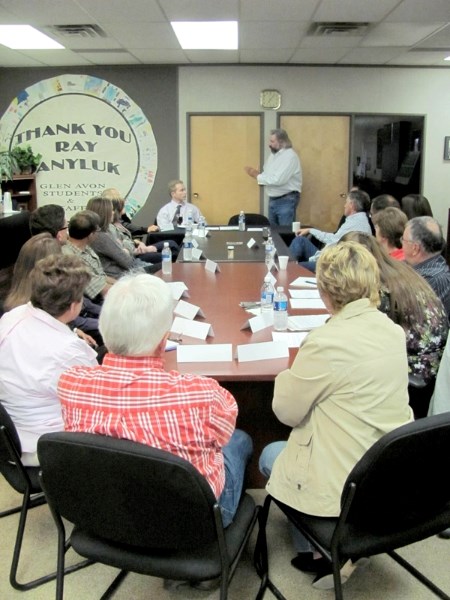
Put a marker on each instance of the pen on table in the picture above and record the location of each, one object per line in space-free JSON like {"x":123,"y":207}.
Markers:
{"x":313,"y":282}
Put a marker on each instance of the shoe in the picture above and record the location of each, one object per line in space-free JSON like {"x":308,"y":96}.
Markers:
{"x":445,"y":535}
{"x":304,"y":561}
{"x":324,"y":580}
{"x":206,"y":586}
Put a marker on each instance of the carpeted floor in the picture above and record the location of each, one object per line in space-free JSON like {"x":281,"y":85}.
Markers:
{"x":382,"y":579}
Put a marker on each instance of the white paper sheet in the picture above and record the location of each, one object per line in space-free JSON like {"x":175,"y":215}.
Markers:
{"x":229,"y":228}
{"x":304,"y":293}
{"x":191,"y":328}
{"x":188,"y":310}
{"x":178,"y":289}
{"x":205,"y":353}
{"x":196,"y":253}
{"x":306,"y":322}
{"x":262,"y":351}
{"x":211,"y":266}
{"x":259,"y":322}
{"x":292,"y":339}
{"x":307,"y":282}
{"x":313,"y":303}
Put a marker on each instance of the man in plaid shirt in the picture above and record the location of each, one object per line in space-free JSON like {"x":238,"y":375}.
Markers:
{"x":131,"y":395}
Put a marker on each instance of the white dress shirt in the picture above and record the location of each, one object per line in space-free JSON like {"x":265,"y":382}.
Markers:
{"x":282,"y":173}
{"x":166,"y":214}
{"x":35,"y":348}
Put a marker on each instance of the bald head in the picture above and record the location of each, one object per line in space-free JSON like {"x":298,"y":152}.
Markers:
{"x":422,"y":239}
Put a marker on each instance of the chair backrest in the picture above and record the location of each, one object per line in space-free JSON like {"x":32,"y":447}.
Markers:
{"x":10,"y":450}
{"x":250,"y":219}
{"x":126,"y":492}
{"x":400,"y":481}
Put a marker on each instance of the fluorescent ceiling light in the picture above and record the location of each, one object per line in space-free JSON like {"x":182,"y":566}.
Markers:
{"x":206,"y":35}
{"x":25,"y":37}
{"x":447,"y":58}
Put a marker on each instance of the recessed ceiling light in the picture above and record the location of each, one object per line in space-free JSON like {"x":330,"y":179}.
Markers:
{"x":206,"y":35}
{"x":25,"y":37}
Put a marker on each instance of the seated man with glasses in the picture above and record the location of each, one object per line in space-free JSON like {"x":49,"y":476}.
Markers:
{"x":423,"y":243}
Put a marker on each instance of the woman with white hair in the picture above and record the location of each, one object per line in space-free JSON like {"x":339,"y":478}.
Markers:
{"x":132,"y":396}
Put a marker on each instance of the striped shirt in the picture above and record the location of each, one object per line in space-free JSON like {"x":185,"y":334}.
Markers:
{"x":136,"y":399}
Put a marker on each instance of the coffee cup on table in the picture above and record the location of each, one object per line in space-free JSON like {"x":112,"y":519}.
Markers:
{"x":295,"y":226}
{"x":283,"y":262}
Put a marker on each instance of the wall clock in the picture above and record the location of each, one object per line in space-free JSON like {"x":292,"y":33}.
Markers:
{"x":270,"y":99}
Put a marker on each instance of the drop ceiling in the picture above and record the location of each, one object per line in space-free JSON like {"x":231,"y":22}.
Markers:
{"x":283,"y":32}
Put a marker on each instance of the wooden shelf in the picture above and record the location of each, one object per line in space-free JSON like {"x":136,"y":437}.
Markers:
{"x":27,"y":200}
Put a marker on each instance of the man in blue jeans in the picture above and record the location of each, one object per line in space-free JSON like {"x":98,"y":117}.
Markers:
{"x":356,"y":219}
{"x":282,"y":176}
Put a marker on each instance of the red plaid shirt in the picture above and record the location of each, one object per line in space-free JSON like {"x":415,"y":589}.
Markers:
{"x":136,"y":399}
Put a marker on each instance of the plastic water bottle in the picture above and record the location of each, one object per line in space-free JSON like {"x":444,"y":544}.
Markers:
{"x":189,"y":220}
{"x":280,"y":315}
{"x":267,"y":294}
{"x":166,"y":255}
{"x":201,"y":227}
{"x":187,"y":245}
{"x":241,"y":221}
{"x":269,"y":254}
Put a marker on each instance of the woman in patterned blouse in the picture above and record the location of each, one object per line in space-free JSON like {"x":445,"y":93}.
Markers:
{"x":410,"y":302}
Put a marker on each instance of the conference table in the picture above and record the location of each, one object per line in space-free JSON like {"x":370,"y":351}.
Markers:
{"x":218,"y":294}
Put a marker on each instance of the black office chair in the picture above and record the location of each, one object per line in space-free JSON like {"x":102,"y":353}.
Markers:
{"x":251,"y":220}
{"x":139,"y":509}
{"x":397,"y":494}
{"x":25,"y":481}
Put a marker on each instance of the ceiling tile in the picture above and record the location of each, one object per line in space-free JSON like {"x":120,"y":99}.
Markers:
{"x":143,"y":35}
{"x":354,"y":10}
{"x":265,"y":35}
{"x":212,"y":56}
{"x":199,"y":10}
{"x":47,"y":12}
{"x":110,"y":58}
{"x":420,"y":11}
{"x":369,"y":56}
{"x":265,"y":55}
{"x":118,"y":11}
{"x":61,"y":58}
{"x":437,"y":40}
{"x":269,"y":10}
{"x":160,"y":55}
{"x":318,"y":55}
{"x":421,"y":59}
{"x":399,"y":34}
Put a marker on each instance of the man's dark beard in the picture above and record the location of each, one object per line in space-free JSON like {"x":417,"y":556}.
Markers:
{"x":274,"y":150}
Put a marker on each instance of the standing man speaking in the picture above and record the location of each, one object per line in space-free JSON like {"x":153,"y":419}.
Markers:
{"x":282,"y":174}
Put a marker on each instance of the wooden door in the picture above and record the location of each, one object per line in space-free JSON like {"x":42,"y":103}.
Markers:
{"x":323,"y":144}
{"x":220,"y":147}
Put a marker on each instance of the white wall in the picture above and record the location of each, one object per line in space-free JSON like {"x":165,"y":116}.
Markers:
{"x":331,"y":90}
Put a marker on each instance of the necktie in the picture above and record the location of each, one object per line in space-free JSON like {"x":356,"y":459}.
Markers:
{"x":176,"y":216}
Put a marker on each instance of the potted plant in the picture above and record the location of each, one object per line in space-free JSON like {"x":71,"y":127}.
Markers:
{"x":8,"y":165}
{"x":27,"y":161}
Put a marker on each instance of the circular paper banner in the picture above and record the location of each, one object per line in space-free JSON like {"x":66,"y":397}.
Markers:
{"x":91,"y":135}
